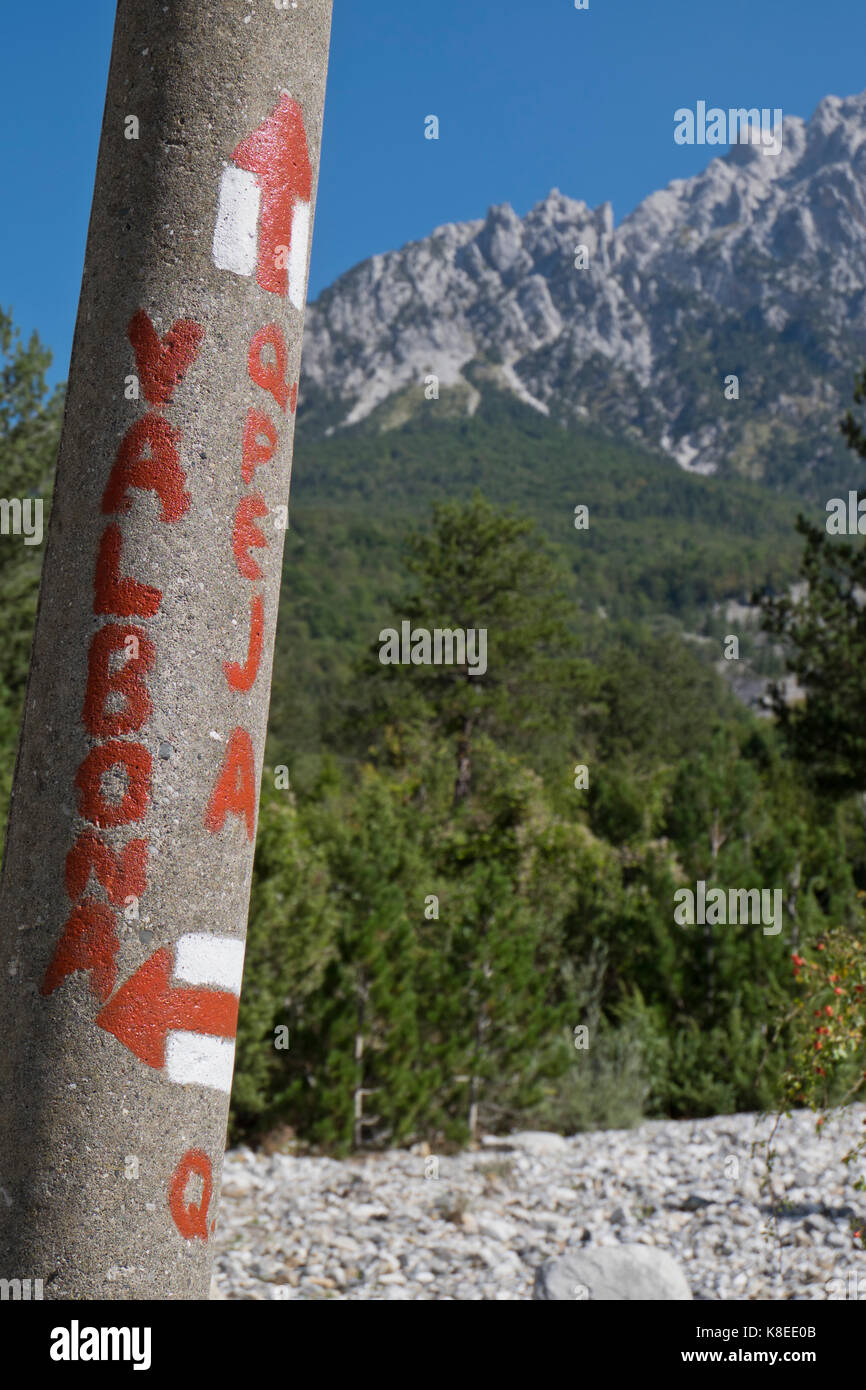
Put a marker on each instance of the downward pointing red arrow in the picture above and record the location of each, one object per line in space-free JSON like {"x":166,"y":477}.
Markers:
{"x":145,"y":1009}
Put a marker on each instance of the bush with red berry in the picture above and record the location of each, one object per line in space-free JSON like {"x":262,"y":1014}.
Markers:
{"x":827,"y":1065}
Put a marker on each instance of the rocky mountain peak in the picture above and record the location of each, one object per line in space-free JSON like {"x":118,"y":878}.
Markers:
{"x":755,"y":267}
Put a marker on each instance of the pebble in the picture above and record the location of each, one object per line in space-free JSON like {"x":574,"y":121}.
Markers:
{"x":374,"y":1227}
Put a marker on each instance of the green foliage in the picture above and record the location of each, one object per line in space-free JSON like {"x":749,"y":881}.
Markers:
{"x":606,"y":1083}
{"x":291,"y":940}
{"x":30,"y":418}
{"x":436,"y":907}
{"x":360,"y":1034}
{"x":477,"y":569}
{"x":555,"y":905}
{"x":29,"y":414}
{"x":698,"y":1071}
{"x":823,"y":631}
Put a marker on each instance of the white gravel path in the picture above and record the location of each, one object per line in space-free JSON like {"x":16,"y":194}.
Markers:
{"x":387,"y":1226}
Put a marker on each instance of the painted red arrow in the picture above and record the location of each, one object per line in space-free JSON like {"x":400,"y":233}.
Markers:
{"x":277,"y":154}
{"x":146,"y":1008}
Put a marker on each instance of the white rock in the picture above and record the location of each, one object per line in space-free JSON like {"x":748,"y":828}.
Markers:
{"x":625,"y":1273}
{"x":537,"y":1142}
{"x":496,"y":1229}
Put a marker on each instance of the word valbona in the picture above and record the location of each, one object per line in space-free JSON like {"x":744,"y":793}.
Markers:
{"x":444,"y":646}
{"x":738,"y":126}
{"x":76,"y":1343}
{"x":716,"y":907}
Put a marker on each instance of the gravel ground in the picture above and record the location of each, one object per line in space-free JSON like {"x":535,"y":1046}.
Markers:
{"x":409,"y":1225}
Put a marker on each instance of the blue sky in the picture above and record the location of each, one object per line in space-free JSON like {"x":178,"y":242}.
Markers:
{"x":530,"y":94}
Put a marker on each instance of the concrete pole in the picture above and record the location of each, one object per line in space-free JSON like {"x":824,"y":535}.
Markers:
{"x":128,"y":861}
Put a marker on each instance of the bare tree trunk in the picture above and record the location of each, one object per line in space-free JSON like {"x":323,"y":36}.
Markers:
{"x":360,"y":1002}
{"x":717,"y":839}
{"x":359,"y":1090}
{"x":361,"y":1122}
{"x":791,"y":904}
{"x":464,"y":763}
{"x":481,"y":1026}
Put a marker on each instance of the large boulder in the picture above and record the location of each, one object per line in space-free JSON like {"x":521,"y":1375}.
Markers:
{"x":624,"y":1273}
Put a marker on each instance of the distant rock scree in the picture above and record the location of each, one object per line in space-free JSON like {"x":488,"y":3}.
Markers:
{"x":670,"y":1210}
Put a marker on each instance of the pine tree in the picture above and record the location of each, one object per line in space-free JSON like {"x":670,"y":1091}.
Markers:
{"x":30,"y":417}
{"x":478,"y":568}
{"x":358,"y":1043}
{"x":291,"y":940}
{"x":824,"y":633}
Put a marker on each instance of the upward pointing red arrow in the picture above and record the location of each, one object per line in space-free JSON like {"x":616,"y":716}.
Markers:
{"x":145,"y":1009}
{"x":278,"y":155}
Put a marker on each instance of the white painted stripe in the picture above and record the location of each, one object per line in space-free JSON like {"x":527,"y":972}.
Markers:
{"x":194,"y":1059}
{"x":202,"y":959}
{"x":235,"y":238}
{"x":300,"y":244}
